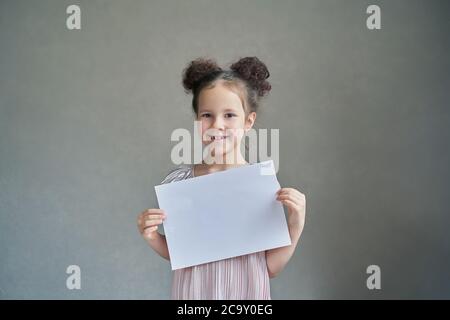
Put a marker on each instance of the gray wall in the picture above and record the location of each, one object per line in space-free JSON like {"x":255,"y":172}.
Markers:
{"x":85,"y":127}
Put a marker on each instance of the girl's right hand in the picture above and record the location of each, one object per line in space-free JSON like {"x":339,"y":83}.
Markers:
{"x":148,"y":222}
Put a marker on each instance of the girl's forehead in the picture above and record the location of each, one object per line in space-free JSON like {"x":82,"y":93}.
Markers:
{"x":219,"y":97}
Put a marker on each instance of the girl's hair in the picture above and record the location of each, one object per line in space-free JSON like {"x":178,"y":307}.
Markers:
{"x":246,"y":77}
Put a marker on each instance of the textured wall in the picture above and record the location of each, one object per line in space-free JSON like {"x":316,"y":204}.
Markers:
{"x":86,"y":117}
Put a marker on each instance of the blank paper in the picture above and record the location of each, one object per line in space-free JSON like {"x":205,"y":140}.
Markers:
{"x":222,"y":215}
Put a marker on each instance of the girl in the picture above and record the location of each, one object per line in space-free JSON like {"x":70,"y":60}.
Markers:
{"x":226,"y":101}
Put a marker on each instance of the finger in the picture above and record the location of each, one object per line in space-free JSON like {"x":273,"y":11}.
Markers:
{"x":293,"y":192}
{"x":282,"y":190}
{"x":289,"y":197}
{"x":290,"y":204}
{"x":153,"y":211}
{"x":150,"y":220}
{"x":151,"y":223}
{"x":142,"y":220}
{"x":298,"y":194}
{"x":153,"y":216}
{"x":289,"y":190}
{"x":149,"y":230}
{"x":142,"y":216}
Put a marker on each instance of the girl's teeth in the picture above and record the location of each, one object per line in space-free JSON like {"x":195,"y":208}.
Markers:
{"x":217,"y":138}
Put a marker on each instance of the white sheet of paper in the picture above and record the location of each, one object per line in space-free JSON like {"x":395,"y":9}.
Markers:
{"x":222,"y":215}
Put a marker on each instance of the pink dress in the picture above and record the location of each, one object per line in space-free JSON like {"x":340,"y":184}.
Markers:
{"x":239,"y":278}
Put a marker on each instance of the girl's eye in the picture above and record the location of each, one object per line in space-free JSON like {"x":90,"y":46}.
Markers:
{"x":205,"y":115}
{"x":229,"y":115}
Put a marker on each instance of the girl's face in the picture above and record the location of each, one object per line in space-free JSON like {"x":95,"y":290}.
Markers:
{"x":223,"y":119}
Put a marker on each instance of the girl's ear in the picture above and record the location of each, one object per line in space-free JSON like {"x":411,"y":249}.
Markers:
{"x":250,"y":121}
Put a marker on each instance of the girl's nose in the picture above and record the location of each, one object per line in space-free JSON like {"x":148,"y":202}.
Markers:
{"x":218,"y":123}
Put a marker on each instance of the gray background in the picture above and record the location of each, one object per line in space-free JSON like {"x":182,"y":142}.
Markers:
{"x":85,"y":127}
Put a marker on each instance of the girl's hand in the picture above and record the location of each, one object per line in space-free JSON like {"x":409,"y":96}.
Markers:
{"x":148,"y":222}
{"x":295,"y":201}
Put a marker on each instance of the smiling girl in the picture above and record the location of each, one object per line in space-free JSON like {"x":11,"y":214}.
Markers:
{"x":226,"y":101}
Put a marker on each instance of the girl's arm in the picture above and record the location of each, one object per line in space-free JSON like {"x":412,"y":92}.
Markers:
{"x":277,"y":258}
{"x":159,"y":244}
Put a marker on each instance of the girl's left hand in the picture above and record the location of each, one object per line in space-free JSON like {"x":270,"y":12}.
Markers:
{"x":295,"y":201}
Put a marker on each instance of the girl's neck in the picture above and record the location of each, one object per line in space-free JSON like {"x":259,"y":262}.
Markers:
{"x":210,"y":168}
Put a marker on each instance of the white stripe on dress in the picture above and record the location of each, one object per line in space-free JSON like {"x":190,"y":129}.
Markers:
{"x":238,"y":278}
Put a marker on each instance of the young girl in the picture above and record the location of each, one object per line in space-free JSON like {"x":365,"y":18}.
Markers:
{"x":226,"y":101}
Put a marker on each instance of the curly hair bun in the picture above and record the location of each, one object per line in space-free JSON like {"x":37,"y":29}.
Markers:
{"x":196,"y":70}
{"x":255,"y":72}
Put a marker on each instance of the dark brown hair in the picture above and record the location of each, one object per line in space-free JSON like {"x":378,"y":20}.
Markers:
{"x":246,"y":77}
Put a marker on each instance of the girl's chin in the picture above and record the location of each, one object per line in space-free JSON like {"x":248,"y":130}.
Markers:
{"x":219,"y":149}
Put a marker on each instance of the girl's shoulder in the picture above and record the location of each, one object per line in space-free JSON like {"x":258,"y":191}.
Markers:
{"x":180,"y":172}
